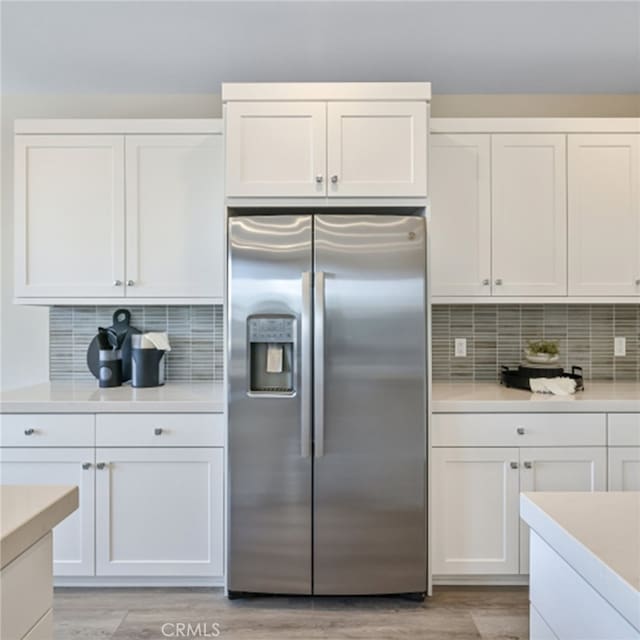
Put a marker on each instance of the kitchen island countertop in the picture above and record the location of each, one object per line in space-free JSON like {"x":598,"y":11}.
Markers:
{"x":87,"y":397}
{"x":28,"y":512}
{"x":598,"y":536}
{"x":491,"y":397}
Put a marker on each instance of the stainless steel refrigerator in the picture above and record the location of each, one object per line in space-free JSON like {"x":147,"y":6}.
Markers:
{"x":327,"y":404}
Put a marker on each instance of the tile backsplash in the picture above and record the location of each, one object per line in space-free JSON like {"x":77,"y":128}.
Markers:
{"x":498,"y":334}
{"x":196,"y":334}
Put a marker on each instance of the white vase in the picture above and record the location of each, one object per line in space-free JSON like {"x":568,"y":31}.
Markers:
{"x":541,"y":358}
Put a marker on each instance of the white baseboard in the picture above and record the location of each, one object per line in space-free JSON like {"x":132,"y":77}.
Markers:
{"x":129,"y":581}
{"x":482,"y":580}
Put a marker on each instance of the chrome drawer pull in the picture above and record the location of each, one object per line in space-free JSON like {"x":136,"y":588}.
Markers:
{"x":514,"y":465}
{"x":157,"y":431}
{"x":520,"y":431}
{"x":29,"y":432}
{"x":86,"y":465}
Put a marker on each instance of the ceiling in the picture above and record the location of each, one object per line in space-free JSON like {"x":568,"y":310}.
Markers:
{"x":191,"y":47}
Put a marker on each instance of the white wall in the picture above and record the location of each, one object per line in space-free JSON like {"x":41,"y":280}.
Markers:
{"x":24,"y":339}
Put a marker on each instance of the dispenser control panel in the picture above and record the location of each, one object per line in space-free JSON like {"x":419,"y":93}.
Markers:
{"x":271,"y":329}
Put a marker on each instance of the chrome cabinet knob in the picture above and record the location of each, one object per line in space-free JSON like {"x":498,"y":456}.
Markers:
{"x":157,"y":431}
{"x":29,"y":432}
{"x":101,"y":465}
{"x":117,"y":283}
{"x":638,"y":281}
{"x":130,"y":283}
{"x":319,"y":179}
{"x":86,"y":465}
{"x":498,"y":281}
{"x":514,"y":465}
{"x":334,"y":179}
{"x":520,"y":431}
{"x":528,"y":465}
{"x":486,"y":282}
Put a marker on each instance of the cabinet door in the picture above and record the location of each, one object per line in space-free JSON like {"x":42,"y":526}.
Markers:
{"x":377,"y":149}
{"x":73,"y":538}
{"x":175,"y":219}
{"x":604,"y":214}
{"x":460,"y":192}
{"x":69,"y":206}
{"x":159,"y":512}
{"x":528,"y":190}
{"x":624,"y":468}
{"x":275,"y":149}
{"x":475,"y":510}
{"x":559,"y":469}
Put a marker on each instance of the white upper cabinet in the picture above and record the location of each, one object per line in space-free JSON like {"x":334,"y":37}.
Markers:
{"x":377,"y":149}
{"x":326,"y":140}
{"x":69,"y":215}
{"x":604,"y":214}
{"x":460,"y":190}
{"x":104,"y":217}
{"x":529,"y":215}
{"x":175,"y":218}
{"x":276,"y":149}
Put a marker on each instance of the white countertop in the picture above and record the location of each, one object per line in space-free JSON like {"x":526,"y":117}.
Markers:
{"x":28,"y":512}
{"x":598,"y":535}
{"x":491,"y":397}
{"x":70,"y":397}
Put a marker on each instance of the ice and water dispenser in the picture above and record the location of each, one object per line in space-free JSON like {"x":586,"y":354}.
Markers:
{"x":271,"y":354}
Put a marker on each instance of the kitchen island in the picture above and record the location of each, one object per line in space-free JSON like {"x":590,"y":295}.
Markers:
{"x":28,"y":513}
{"x":585,"y":565}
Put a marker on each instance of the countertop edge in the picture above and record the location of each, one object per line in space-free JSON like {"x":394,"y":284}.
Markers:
{"x":532,"y":406}
{"x":16,"y":542}
{"x":110,"y":406}
{"x":593,"y":569}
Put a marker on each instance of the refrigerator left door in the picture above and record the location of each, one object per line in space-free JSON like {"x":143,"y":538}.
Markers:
{"x":270,"y":468}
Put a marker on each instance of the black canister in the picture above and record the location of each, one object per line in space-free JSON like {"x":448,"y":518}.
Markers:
{"x":147,"y":363}
{"x":110,"y":368}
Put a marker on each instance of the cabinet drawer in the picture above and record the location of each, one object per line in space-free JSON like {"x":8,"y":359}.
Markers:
{"x":47,"y":430}
{"x":160,"y":430}
{"x":518,"y":429}
{"x":624,"y":429}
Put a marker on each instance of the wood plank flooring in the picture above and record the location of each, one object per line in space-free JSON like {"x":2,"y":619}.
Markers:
{"x":453,"y":613}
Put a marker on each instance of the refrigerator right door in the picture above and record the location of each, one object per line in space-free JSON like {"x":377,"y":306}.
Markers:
{"x":369,"y":405}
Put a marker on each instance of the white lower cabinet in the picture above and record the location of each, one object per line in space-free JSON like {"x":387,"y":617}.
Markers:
{"x":159,"y":512}
{"x":73,"y":538}
{"x":151,"y":491}
{"x":475,"y":510}
{"x":624,"y":468}
{"x":559,"y":469}
{"x":477,"y":475}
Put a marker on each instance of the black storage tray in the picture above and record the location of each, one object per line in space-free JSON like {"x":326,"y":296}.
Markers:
{"x":519,"y":378}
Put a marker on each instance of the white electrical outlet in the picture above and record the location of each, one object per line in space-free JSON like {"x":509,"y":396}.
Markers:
{"x":619,"y":346}
{"x":461,"y":348}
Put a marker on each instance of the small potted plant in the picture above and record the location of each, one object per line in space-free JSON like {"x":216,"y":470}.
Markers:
{"x":542,"y":352}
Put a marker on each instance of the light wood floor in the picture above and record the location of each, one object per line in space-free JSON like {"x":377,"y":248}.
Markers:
{"x":453,"y":613}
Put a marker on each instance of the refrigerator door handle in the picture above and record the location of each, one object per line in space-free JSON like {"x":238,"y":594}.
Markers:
{"x":318,"y":364}
{"x":305,"y":366}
